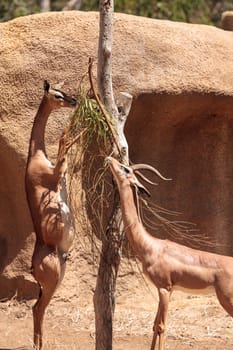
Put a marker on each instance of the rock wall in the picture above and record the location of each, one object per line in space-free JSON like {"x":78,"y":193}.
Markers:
{"x":181,"y":119}
{"x":189,"y":138}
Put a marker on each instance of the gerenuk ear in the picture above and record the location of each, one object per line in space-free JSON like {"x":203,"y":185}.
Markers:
{"x":46,"y":86}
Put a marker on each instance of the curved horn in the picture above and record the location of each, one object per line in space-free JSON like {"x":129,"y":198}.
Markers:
{"x":145,"y":178}
{"x":150,"y":168}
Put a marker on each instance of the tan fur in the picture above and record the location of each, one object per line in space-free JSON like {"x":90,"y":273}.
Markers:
{"x":45,"y":186}
{"x":170,"y":265}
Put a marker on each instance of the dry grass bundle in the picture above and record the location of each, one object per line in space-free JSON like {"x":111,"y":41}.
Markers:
{"x":168,"y":223}
{"x":88,"y":140}
{"x":91,"y":134}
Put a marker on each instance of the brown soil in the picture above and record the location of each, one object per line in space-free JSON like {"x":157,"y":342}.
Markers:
{"x":194,"y":323}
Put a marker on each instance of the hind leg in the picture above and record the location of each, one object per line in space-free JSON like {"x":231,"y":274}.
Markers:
{"x":47,"y":272}
{"x":225,"y":297}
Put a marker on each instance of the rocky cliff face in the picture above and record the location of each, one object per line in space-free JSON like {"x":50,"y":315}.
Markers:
{"x":181,"y":77}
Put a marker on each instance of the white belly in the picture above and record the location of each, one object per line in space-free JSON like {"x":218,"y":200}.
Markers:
{"x":68,"y":221}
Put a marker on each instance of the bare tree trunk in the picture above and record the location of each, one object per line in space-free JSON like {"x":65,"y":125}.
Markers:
{"x":104,"y":296}
{"x":118,"y":112}
{"x":72,"y":5}
{"x":45,"y":5}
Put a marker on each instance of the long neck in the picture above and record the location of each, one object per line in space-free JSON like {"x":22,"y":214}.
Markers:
{"x":38,"y":129}
{"x":138,"y":237}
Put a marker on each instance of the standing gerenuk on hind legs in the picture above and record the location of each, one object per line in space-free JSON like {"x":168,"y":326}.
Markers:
{"x":52,"y":218}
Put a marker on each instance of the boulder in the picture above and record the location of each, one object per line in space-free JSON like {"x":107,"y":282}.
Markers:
{"x":227,"y":20}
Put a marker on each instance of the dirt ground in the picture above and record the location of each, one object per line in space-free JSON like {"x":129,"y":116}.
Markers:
{"x":194,"y":322}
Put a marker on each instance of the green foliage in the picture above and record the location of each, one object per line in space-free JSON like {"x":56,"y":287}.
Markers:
{"x":87,"y":118}
{"x":90,"y":118}
{"x":17,"y":8}
{"x":193,"y":11}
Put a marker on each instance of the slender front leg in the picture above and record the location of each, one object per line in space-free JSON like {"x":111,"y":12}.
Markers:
{"x":164,"y":297}
{"x":155,"y":328}
{"x":61,"y":163}
{"x":161,"y":318}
